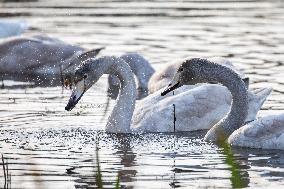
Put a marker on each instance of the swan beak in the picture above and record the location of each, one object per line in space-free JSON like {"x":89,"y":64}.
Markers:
{"x":170,"y":88}
{"x":76,"y":95}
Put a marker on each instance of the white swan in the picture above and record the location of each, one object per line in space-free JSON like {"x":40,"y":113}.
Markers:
{"x":12,"y":28}
{"x":266,"y":132}
{"x":39,"y":59}
{"x":154,"y":113}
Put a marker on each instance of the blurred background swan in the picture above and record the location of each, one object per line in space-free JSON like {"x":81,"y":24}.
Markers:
{"x":40,"y":59}
{"x":10,"y":28}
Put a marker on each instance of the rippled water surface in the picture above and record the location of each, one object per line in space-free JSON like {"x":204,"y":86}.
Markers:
{"x":47,"y":147}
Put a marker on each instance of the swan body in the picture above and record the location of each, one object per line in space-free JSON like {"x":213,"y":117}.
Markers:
{"x":266,"y":132}
{"x":39,"y":58}
{"x":142,"y":70}
{"x":12,"y":28}
{"x":195,"y":109}
{"x":154,"y":113}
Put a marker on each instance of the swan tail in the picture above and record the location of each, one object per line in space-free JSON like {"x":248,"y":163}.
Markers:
{"x":262,"y":94}
{"x":90,"y":53}
{"x":265,"y":91}
{"x":257,"y":98}
{"x":246,"y":81}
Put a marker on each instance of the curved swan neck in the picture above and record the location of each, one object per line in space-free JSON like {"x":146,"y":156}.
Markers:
{"x":211,"y":72}
{"x":120,"y":118}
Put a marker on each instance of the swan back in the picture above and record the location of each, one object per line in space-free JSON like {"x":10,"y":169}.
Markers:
{"x":38,"y":55}
{"x":266,"y":133}
{"x":26,"y":54}
{"x":197,"y":107}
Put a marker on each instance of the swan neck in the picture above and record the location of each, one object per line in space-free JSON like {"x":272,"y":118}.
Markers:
{"x":120,"y":118}
{"x":239,"y":107}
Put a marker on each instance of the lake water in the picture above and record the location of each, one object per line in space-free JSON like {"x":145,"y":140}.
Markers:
{"x":48,"y":147}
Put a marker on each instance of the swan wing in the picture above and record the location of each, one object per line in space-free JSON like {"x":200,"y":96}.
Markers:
{"x":30,"y":55}
{"x":199,"y":108}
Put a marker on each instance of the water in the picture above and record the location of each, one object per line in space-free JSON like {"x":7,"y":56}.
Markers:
{"x":47,"y":147}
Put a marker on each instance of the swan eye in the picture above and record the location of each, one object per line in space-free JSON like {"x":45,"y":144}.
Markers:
{"x":85,"y":76}
{"x":181,"y":69}
{"x":67,"y":82}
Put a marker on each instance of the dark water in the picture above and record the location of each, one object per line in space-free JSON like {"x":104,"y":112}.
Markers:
{"x":47,"y":147}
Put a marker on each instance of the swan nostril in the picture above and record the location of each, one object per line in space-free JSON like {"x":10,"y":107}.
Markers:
{"x":169,"y":85}
{"x":74,"y":97}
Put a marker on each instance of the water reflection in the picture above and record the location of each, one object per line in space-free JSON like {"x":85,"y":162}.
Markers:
{"x":127,"y":156}
{"x":124,"y":166}
{"x":175,"y":182}
{"x":29,"y":81}
{"x":169,"y":160}
{"x":238,"y":166}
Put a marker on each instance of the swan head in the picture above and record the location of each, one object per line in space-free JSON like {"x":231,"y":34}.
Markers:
{"x":185,"y":75}
{"x":68,"y":66}
{"x":85,"y":76}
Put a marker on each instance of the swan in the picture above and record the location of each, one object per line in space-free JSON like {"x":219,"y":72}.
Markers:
{"x":141,"y":68}
{"x":154,"y":113}
{"x":266,"y":132}
{"x":39,"y":58}
{"x":12,"y":28}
